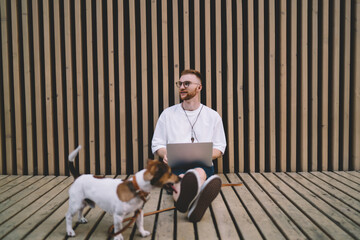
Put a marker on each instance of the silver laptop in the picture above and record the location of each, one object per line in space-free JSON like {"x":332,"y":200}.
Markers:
{"x":189,"y":153}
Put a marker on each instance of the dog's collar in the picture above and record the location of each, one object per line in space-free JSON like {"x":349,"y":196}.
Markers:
{"x":142,"y":194}
{"x":136,"y":185}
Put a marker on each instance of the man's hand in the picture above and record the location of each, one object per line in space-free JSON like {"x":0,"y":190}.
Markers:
{"x":216,"y":153}
{"x":163,"y":154}
{"x":165,"y":159}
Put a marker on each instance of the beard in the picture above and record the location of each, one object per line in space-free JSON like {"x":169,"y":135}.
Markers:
{"x":188,"y":96}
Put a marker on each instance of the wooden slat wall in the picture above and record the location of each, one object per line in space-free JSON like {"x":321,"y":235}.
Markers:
{"x":284,"y":76}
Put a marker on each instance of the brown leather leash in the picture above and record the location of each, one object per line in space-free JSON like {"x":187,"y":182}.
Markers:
{"x":133,"y":219}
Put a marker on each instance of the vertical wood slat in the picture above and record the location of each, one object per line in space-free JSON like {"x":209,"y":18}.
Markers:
{"x":346,"y":101}
{"x":304,"y":88}
{"x":186,"y":27}
{"x":197,"y":34}
{"x":293,"y":83}
{"x":332,"y":73}
{"x":155,"y":82}
{"x":144,"y":87}
{"x":90,"y":79}
{"x":283,"y":87}
{"x":355,"y":157}
{"x":314,"y":86}
{"x":251,"y":89}
{"x":101,"y":86}
{"x":230,"y":79}
{"x":261,"y":74}
{"x":80,"y":86}
{"x":48,"y":89}
{"x":272,"y":103}
{"x":59,"y":89}
{"x":28,"y":89}
{"x":176,"y":48}
{"x":218,"y":67}
{"x":240,"y":87}
{"x":6,"y":88}
{"x":3,"y":73}
{"x":165,"y":57}
{"x":40,"y":141}
{"x":111,"y":86}
{"x":335,"y":94}
{"x":325,"y":86}
{"x":17,"y":87}
{"x":69,"y":77}
{"x":208,"y":52}
{"x":133,"y":86}
{"x":122,"y":107}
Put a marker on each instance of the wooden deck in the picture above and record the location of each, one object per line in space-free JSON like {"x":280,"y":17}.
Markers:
{"x":272,"y":206}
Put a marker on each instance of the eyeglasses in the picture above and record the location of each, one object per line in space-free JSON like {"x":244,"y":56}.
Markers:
{"x":185,"y":83}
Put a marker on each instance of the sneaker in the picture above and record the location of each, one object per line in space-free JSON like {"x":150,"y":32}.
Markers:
{"x":208,"y":193}
{"x":189,"y":189}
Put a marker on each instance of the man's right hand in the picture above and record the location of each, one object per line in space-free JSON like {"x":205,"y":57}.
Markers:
{"x":163,"y":154}
{"x":165,"y":159}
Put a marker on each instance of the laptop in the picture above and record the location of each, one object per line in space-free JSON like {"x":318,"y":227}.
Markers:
{"x":189,"y":153}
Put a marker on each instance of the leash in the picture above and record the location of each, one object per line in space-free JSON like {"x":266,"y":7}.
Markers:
{"x":111,"y":228}
{"x":133,"y":219}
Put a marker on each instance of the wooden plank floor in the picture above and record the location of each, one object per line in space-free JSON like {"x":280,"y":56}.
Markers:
{"x":316,"y":205}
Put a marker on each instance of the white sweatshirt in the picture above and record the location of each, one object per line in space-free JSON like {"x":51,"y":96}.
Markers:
{"x":174,"y":127}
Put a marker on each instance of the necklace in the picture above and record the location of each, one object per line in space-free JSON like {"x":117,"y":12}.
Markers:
{"x":192,"y":125}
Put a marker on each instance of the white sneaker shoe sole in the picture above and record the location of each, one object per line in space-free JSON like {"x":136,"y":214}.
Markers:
{"x":208,"y":193}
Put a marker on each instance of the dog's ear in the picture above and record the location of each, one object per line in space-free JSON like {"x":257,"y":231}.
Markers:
{"x":124,"y":191}
{"x":150,"y":169}
{"x":148,"y":176}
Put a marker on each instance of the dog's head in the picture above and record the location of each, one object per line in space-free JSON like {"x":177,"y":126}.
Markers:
{"x":159,"y":174}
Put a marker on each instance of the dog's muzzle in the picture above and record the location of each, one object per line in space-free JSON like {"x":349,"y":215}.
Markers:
{"x":169,"y":187}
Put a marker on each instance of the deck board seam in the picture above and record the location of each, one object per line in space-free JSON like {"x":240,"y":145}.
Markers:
{"x":321,"y":210}
{"x":346,"y":177}
{"x":332,"y":194}
{"x":231,"y":215}
{"x":331,"y":176}
{"x":248,"y":211}
{"x":334,"y":185}
{"x":282,"y":209}
{"x":265,"y":209}
{"x":299,"y":207}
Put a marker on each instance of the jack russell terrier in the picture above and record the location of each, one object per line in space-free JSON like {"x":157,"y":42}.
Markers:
{"x":115,"y":196}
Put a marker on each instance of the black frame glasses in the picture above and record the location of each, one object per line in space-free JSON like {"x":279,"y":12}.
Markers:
{"x":185,"y":83}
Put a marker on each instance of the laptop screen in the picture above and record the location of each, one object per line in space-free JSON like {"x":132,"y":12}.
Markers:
{"x":186,"y":153}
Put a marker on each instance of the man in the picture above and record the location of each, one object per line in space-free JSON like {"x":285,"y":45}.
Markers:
{"x":187,"y":122}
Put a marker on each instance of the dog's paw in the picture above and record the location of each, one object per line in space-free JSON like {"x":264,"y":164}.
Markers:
{"x":145,"y":233}
{"x":119,"y":237}
{"x":70,"y":233}
{"x":82,"y":220}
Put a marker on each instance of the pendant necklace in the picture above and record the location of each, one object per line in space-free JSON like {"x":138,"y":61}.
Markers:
{"x":192,"y":125}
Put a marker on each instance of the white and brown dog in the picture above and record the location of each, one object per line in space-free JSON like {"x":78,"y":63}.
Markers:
{"x":115,"y":196}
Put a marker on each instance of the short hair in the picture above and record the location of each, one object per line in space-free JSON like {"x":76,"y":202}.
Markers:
{"x":192,"y":71}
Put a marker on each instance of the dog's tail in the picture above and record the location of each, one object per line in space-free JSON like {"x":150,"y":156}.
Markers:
{"x":72,"y":168}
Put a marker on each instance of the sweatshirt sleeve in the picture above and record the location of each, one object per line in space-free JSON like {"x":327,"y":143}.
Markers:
{"x":219,"y":139}
{"x":159,"y":139}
